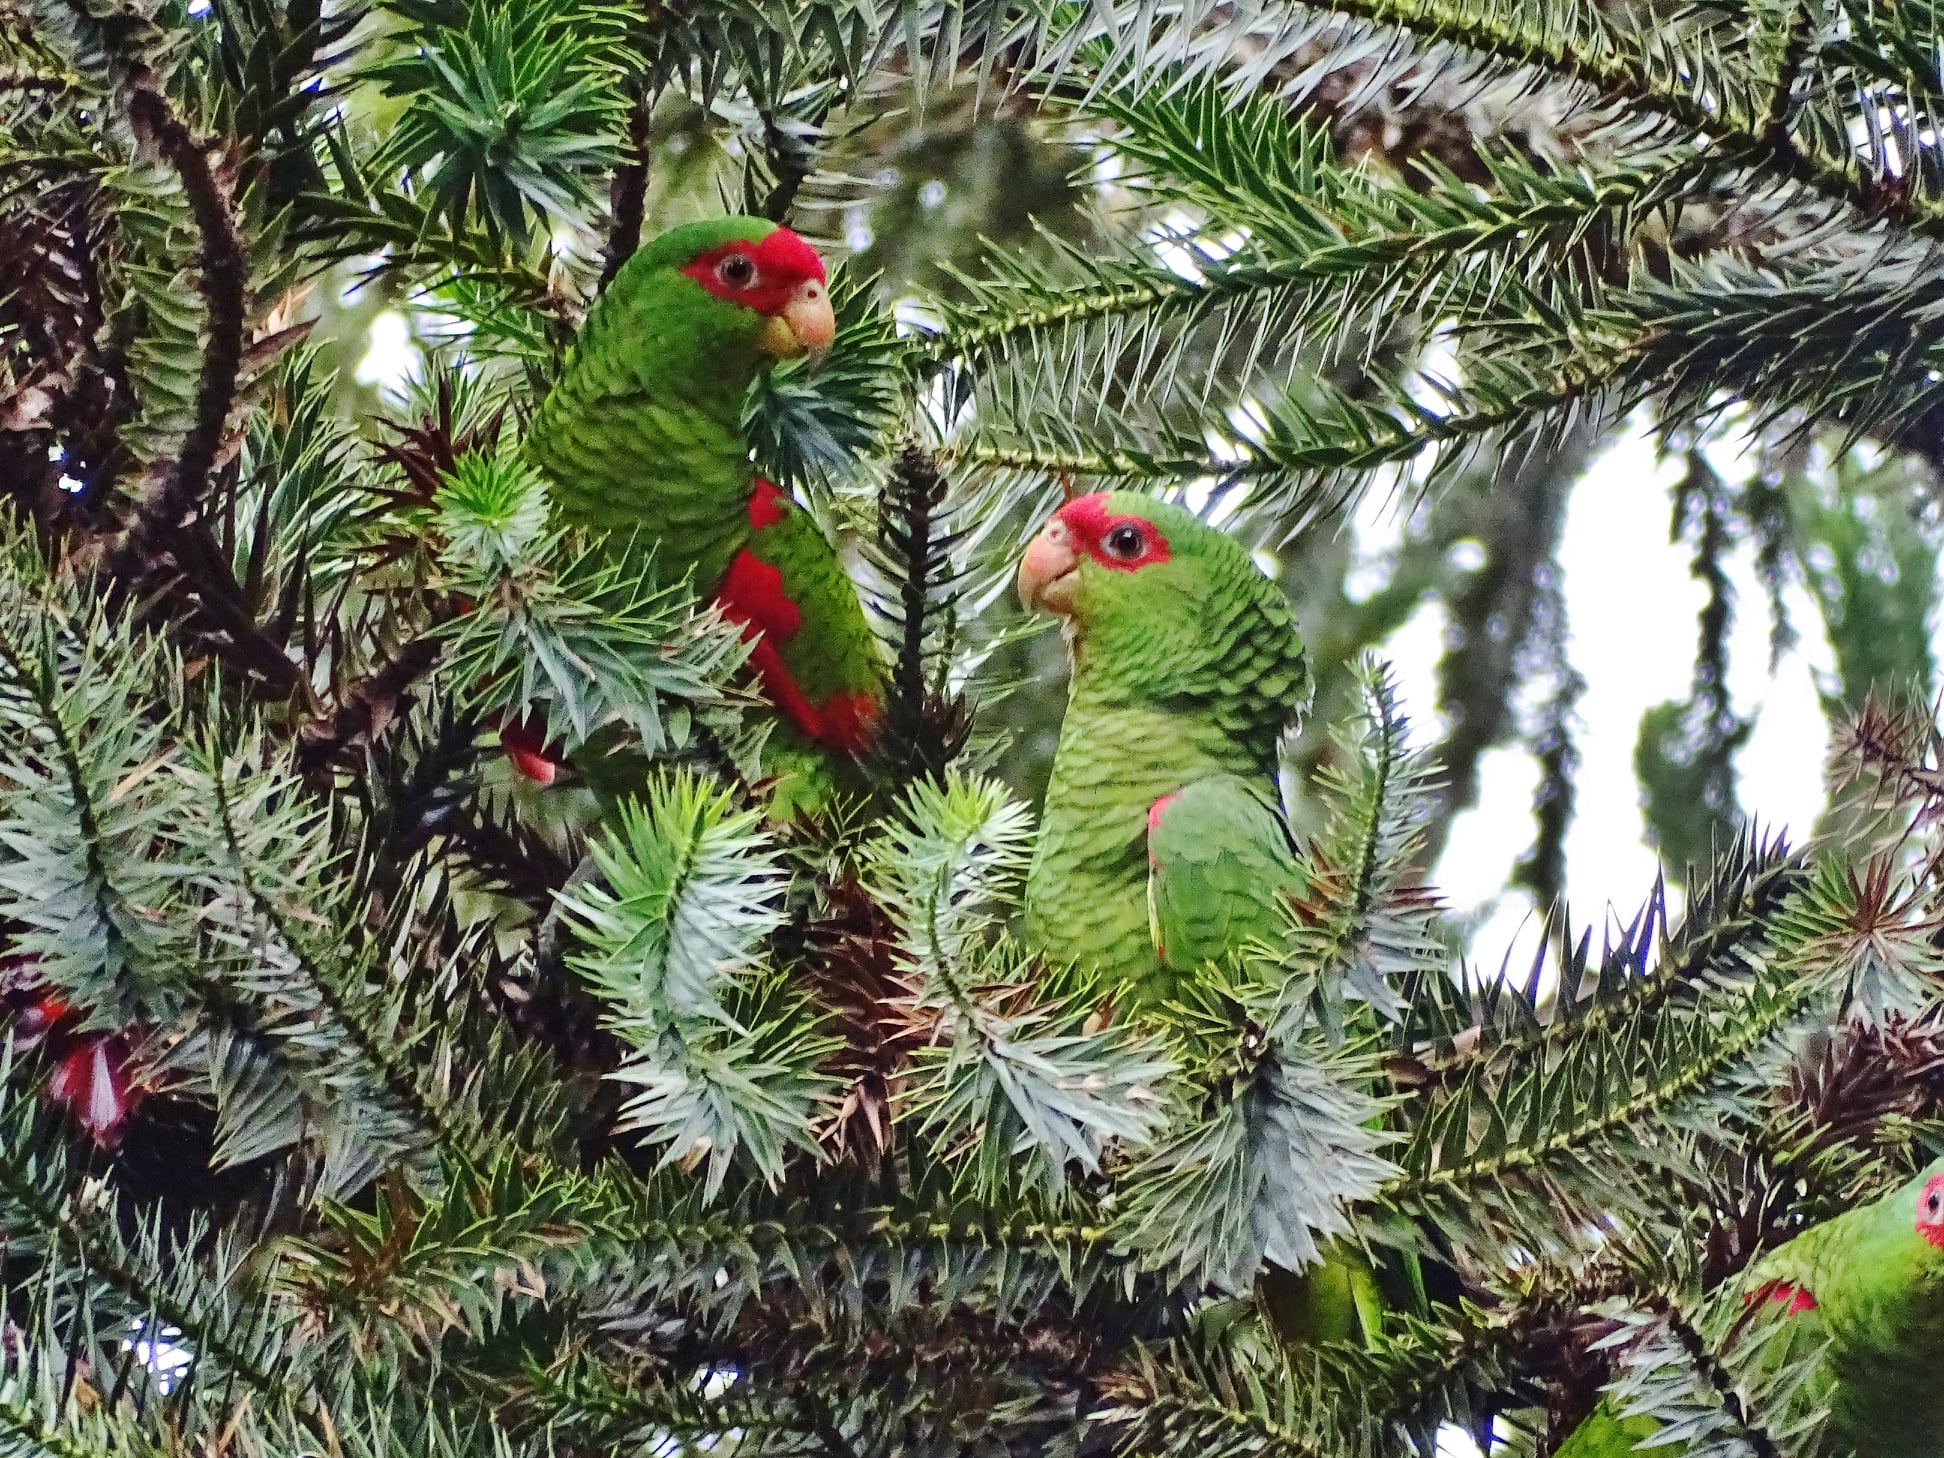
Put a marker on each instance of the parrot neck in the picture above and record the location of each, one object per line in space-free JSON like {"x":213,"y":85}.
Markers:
{"x":1086,"y":892}
{"x":642,"y":437}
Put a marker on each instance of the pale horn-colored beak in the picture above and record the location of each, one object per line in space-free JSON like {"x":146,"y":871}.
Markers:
{"x":1049,"y":572}
{"x":805,"y":325}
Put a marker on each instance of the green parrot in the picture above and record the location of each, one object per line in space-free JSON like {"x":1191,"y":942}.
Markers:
{"x":1161,"y":844}
{"x":1871,"y":1284}
{"x":641,"y":440}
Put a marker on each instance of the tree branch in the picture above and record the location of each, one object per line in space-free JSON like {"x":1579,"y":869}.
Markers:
{"x":1622,"y":78}
{"x":224,"y":278}
{"x":628,"y":193}
{"x":367,"y":708}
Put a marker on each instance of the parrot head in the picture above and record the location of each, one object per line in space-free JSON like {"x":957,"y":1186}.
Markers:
{"x":728,"y":288}
{"x":1145,"y":587}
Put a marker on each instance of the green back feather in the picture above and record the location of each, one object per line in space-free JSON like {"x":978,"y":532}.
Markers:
{"x":643,"y":431}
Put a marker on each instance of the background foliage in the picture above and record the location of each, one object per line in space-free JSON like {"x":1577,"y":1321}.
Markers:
{"x":426,"y":1117}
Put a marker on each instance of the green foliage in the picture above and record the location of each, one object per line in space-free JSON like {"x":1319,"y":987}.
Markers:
{"x":1005,"y":1079}
{"x":481,"y":1119}
{"x":580,"y":642}
{"x":508,"y":109}
{"x":724,"y":1055}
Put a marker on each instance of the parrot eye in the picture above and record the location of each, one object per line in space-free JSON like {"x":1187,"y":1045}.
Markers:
{"x":1930,"y":1211}
{"x":1124,"y":542}
{"x":737,"y":270}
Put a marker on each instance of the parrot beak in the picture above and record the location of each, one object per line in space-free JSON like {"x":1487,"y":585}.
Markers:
{"x":1049,"y":572}
{"x":804,"y":325}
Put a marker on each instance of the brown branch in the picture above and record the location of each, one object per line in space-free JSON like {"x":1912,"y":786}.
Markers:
{"x":223,"y":285}
{"x":368,"y":708}
{"x":628,"y":193}
{"x":168,"y":517}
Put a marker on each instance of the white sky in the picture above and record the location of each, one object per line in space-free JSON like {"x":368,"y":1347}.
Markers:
{"x":1631,"y":610}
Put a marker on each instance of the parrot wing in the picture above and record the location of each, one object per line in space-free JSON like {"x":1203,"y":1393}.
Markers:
{"x":818,"y":659}
{"x":1220,"y":865}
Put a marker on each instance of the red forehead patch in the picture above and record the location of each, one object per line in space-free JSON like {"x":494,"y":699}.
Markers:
{"x":757,"y":275}
{"x":1121,"y":541}
{"x":1930,"y":1211}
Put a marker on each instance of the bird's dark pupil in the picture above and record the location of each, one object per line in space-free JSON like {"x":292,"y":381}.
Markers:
{"x":1124,"y":540}
{"x":736,"y":268}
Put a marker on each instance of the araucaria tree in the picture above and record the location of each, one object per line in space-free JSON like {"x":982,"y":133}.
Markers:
{"x":527,"y":923}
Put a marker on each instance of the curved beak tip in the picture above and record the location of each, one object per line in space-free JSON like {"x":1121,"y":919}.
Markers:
{"x":1046,"y":573}
{"x":805,"y":325}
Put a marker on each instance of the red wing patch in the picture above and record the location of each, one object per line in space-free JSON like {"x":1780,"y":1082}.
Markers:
{"x":766,"y":504}
{"x":850,"y":721}
{"x":92,"y":1082}
{"x":752,"y":593}
{"x":525,"y":743}
{"x":1799,"y":1298}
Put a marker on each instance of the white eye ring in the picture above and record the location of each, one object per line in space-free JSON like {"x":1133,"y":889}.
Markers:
{"x":1124,"y":542}
{"x":737,"y":270}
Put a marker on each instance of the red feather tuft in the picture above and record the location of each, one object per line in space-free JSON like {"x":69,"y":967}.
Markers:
{"x":850,"y":721}
{"x":93,"y":1072}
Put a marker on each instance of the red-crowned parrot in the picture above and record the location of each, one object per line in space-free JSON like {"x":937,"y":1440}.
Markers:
{"x":1869,"y":1283}
{"x":1161,"y":844}
{"x":641,"y":439}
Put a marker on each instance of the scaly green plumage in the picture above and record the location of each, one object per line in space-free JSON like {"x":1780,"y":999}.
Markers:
{"x":1871,"y":1282}
{"x":641,"y":440}
{"x":1185,"y":671}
